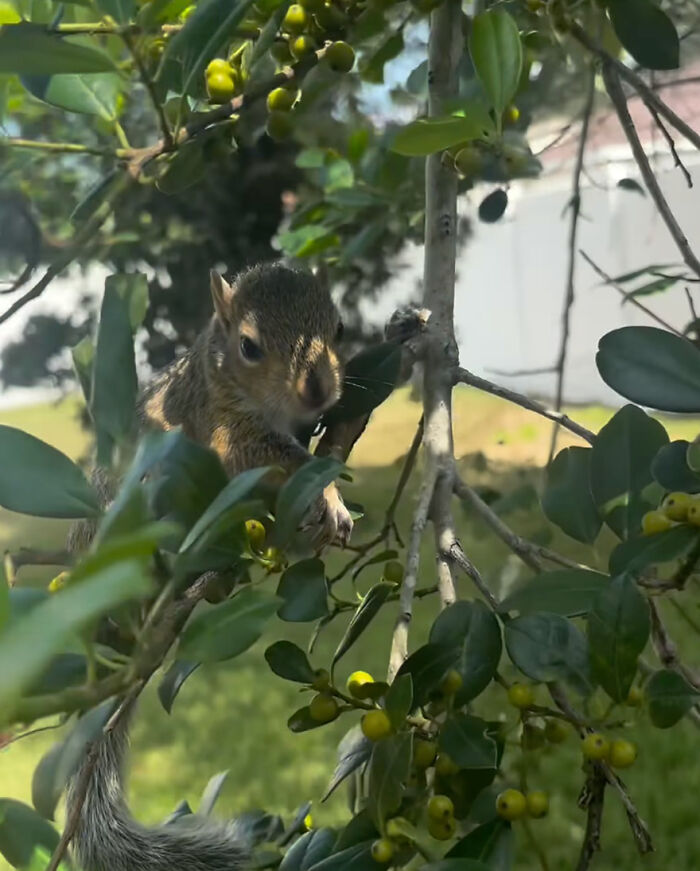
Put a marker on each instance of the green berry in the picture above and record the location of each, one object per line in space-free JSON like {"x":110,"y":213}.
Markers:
{"x":341,"y":58}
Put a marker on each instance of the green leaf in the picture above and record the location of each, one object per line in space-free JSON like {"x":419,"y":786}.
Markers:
{"x":4,"y":599}
{"x":670,"y":468}
{"x":211,"y":793}
{"x":29,"y":49}
{"x":205,"y":33}
{"x":621,"y":467}
{"x":22,"y":830}
{"x":114,"y":385}
{"x":466,"y":741}
{"x":132,"y":287}
{"x":289,"y":662}
{"x":618,"y":630}
{"x":31,"y":642}
{"x":456,"y":865}
{"x":86,"y":94}
{"x":670,"y":697}
{"x":356,"y":858}
{"x":56,"y":767}
{"x":160,"y":10}
{"x":353,"y":751}
{"x":173,"y":680}
{"x":567,"y":499}
{"x":40,"y":480}
{"x":388,"y":771}
{"x":120,"y":10}
{"x":184,"y":169}
{"x":399,"y":700}
{"x":228,"y":629}
{"x":473,"y":630}
{"x":497,"y":55}
{"x":646,"y":32}
{"x":83,"y":355}
{"x":658,"y":285}
{"x":637,"y":554}
{"x":428,"y":135}
{"x":370,"y":377}
{"x":569,"y":592}
{"x":302,"y":721}
{"x":269,"y":32}
{"x":303,"y":591}
{"x":548,"y":647}
{"x":652,"y":367}
{"x":299,"y":493}
{"x":428,"y":666}
{"x":372,"y":67}
{"x":366,"y":612}
{"x":492,"y":843}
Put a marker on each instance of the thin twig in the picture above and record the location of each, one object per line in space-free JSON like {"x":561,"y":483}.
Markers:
{"x":27,"y":556}
{"x":619,"y":101}
{"x":592,"y":800}
{"x":575,"y":205}
{"x":672,"y":146}
{"x":147,"y":82}
{"x":666,"y":648}
{"x":61,"y":147}
{"x":466,"y":377}
{"x":457,"y":555}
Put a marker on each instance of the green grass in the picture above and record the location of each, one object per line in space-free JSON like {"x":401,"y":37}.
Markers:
{"x":233,"y":716}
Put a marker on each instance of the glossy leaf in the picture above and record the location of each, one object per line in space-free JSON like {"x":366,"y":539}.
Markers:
{"x":86,"y":94}
{"x":466,"y":741}
{"x":652,"y":367}
{"x":353,"y":751}
{"x":289,"y":662}
{"x":298,"y":493}
{"x":473,"y":630}
{"x":569,"y":592}
{"x":670,"y":468}
{"x":356,"y":858}
{"x":302,"y":721}
{"x":492,"y":843}
{"x":370,"y":377}
{"x":172,"y":682}
{"x":670,"y":697}
{"x":211,"y":793}
{"x":637,"y":554}
{"x":429,"y":135}
{"x":567,"y":500}
{"x":132,"y":287}
{"x":228,"y":629}
{"x":30,"y":49}
{"x":618,"y":630}
{"x":497,"y":55}
{"x":366,"y":612}
{"x":22,"y":831}
{"x":399,"y":700}
{"x":388,"y":770}
{"x":646,"y":32}
{"x":548,"y":647}
{"x":428,"y":666}
{"x":303,"y":591}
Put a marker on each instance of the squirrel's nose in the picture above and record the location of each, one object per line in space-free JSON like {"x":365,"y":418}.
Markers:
{"x":313,"y":393}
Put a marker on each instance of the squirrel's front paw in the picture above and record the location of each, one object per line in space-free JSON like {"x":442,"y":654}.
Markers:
{"x":329,"y":520}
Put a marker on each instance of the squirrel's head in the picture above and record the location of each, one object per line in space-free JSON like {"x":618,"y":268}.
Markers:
{"x":280,"y":332}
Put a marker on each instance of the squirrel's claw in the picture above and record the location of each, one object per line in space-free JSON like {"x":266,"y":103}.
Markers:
{"x":329,"y":520}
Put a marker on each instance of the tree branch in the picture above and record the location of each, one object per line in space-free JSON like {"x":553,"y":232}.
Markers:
{"x":591,"y":799}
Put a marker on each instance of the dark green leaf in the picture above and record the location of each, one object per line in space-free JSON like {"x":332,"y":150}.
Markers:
{"x":173,"y":680}
{"x":399,"y":700}
{"x":299,"y":493}
{"x":359,"y":830}
{"x":184,"y":169}
{"x":353,"y":751}
{"x":41,"y":480}
{"x":302,"y":721}
{"x":269,"y":32}
{"x":466,"y":741}
{"x":474,"y":631}
{"x":303,"y":591}
{"x":631,"y":184}
{"x":289,"y":662}
{"x":652,"y":367}
{"x":370,"y":377}
{"x":132,"y":287}
{"x":319,"y":848}
{"x":636,"y":554}
{"x":4,"y":599}
{"x":548,"y":647}
{"x":567,"y":499}
{"x":621,"y":467}
{"x":428,"y":135}
{"x":228,"y":629}
{"x":618,"y":629}
{"x":492,"y":207}
{"x":635,"y":273}
{"x":160,"y":10}
{"x":83,"y":360}
{"x":22,"y":830}
{"x":295,"y":854}
{"x":670,"y":697}
{"x":357,"y":858}
{"x":29,"y":49}
{"x":181,"y":810}
{"x":658,"y":285}
{"x":428,"y":666}
{"x":211,"y":793}
{"x":569,"y":592}
{"x":497,"y":55}
{"x":670,"y":468}
{"x":492,"y":843}
{"x":366,"y":612}
{"x":388,"y":770}
{"x":120,"y":10}
{"x":646,"y":32}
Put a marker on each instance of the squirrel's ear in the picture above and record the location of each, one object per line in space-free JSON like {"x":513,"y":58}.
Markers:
{"x":222,"y":295}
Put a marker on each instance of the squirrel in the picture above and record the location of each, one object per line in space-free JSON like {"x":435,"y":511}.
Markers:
{"x":266,"y":363}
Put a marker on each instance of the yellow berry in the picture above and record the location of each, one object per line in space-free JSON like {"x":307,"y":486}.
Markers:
{"x":341,"y":58}
{"x":218,"y":66}
{"x":296,"y":19}
{"x":255,"y":533}
{"x":442,"y":829}
{"x":635,"y":697}
{"x":537,"y":804}
{"x":59,"y":582}
{"x":376,"y":725}
{"x":622,"y":753}
{"x":275,"y":559}
{"x":322,"y":680}
{"x":281,"y":99}
{"x":424,"y":753}
{"x":445,"y":766}
{"x":220,"y":88}
{"x":308,"y":822}
{"x":655,"y":521}
{"x":382,"y":851}
{"x":520,"y":695}
{"x":675,"y":506}
{"x":440,"y":807}
{"x":356,"y":681}
{"x":556,"y":731}
{"x":512,"y":114}
{"x":323,"y":708}
{"x":303,"y":46}
{"x":511,"y":804}
{"x":393,"y":571}
{"x":694,"y":513}
{"x":595,"y":746}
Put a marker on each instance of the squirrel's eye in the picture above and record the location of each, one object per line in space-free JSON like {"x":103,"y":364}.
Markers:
{"x":340,"y":329}
{"x":250,"y":351}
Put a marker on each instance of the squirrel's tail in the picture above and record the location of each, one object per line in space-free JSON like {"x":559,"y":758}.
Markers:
{"x":107,"y":838}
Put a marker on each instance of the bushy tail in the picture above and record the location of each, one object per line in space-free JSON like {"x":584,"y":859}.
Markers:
{"x":109,"y":839}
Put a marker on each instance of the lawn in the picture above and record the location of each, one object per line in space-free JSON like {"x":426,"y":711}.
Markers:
{"x":233,"y":716}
